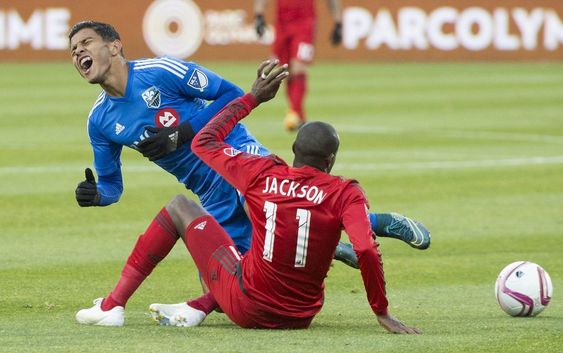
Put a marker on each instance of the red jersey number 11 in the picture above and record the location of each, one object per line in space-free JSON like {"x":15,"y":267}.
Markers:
{"x":303,"y":218}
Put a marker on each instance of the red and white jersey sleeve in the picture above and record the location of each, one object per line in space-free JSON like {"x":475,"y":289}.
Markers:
{"x":357,"y":226}
{"x":237,"y":167}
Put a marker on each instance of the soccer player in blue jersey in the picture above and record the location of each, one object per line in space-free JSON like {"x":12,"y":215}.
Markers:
{"x":156,"y":106}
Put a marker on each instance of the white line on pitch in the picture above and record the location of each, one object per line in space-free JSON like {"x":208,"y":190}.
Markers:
{"x":459,"y":134}
{"x":493,"y":163}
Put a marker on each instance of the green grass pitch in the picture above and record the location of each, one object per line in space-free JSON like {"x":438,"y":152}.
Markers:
{"x":474,"y":151}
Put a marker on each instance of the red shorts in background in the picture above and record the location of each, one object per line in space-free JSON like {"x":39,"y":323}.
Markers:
{"x":294,"y":40}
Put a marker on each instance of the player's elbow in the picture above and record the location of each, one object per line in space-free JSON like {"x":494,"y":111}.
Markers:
{"x":110,"y":188}
{"x":364,"y":250}
{"x":196,"y":144}
{"x":106,"y":200}
{"x":232,"y":90}
{"x":236,"y":92}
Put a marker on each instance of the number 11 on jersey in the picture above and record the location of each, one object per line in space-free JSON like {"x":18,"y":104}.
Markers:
{"x":304,"y":220}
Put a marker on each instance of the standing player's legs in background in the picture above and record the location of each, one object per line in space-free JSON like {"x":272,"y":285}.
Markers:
{"x":294,"y":45}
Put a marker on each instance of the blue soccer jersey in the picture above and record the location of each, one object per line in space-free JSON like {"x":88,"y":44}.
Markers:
{"x":165,"y":92}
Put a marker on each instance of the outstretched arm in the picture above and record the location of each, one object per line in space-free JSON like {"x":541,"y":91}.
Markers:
{"x":209,"y":143}
{"x":357,"y":227}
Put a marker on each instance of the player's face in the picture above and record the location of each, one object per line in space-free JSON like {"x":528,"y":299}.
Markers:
{"x":91,"y":55}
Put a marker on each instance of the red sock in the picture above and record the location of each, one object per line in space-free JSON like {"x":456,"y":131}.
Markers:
{"x":205,"y":303}
{"x":150,"y":249}
{"x":296,"y":89}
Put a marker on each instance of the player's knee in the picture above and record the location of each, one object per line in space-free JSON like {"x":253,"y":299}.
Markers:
{"x":183,"y":211}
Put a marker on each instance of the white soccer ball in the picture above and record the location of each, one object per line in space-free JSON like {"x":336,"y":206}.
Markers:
{"x":523,"y":288}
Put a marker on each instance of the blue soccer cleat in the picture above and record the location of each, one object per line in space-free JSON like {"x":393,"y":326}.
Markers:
{"x":411,"y":232}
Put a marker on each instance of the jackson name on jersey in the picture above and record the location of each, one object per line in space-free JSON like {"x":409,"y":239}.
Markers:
{"x":293,"y":189}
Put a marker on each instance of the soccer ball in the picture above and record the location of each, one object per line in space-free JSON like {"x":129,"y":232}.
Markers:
{"x":523,"y":288}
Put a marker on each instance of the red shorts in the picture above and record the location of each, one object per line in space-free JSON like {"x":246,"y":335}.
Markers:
{"x":295,"y":40}
{"x":218,"y":261}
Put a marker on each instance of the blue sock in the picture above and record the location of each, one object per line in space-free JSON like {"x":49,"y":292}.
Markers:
{"x":373,"y":220}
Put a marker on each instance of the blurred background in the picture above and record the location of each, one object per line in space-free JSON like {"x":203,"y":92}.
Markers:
{"x":373,"y":30}
{"x":450,"y":112}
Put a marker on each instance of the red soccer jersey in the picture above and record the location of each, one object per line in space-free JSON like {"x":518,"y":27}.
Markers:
{"x":291,"y":10}
{"x":297,"y":215}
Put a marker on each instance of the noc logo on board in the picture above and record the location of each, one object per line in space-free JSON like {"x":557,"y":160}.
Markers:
{"x":167,"y":117}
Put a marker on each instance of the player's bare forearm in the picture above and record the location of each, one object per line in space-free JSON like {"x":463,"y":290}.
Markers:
{"x":260,"y":6}
{"x":259,"y":20}
{"x":336,"y":11}
{"x":335,"y":7}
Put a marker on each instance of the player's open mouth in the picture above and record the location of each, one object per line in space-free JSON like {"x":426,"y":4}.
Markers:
{"x":85,"y":63}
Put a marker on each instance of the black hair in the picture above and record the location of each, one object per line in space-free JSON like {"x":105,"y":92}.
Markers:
{"x":315,"y":142}
{"x":104,"y":30}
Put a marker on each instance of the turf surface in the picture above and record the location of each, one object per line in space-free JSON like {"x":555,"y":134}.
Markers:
{"x":474,"y":151}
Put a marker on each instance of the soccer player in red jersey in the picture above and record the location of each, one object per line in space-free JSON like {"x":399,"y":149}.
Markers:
{"x":297,"y":214}
{"x":294,"y":45}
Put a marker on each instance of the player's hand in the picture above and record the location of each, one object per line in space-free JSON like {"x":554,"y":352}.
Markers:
{"x":336,"y":34}
{"x":393,"y":325}
{"x":165,"y":140}
{"x":260,"y":25}
{"x":87,"y":192}
{"x":269,"y":80}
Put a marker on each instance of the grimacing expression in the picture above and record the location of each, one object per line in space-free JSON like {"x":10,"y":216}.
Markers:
{"x":91,"y":55}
